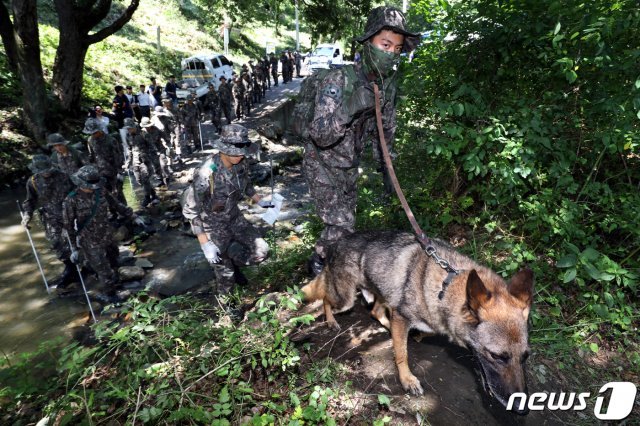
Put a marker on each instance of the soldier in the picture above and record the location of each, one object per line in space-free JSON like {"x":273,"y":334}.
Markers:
{"x":85,"y":218}
{"x":238,"y":96}
{"x":190,"y":117}
{"x":65,"y":157}
{"x":297,"y":57}
{"x":47,"y":188}
{"x":212,"y":103}
{"x":273,"y":62}
{"x":245,"y":80}
{"x":161,"y":149}
{"x":174,"y":127}
{"x":227,"y":239}
{"x":266,"y":78}
{"x":141,"y":152}
{"x":226,"y":97}
{"x":342,"y":124}
{"x":106,"y":154}
{"x":284,"y":62}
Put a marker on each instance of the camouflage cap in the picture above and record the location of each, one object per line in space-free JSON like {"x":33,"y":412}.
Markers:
{"x":388,"y":17}
{"x":56,"y":139}
{"x":87,"y":177}
{"x":92,"y":126}
{"x":146,"y":122}
{"x":129,"y":123}
{"x":40,"y":163}
{"x":234,"y":141}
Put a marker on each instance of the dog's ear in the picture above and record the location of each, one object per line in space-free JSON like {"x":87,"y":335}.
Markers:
{"x":477,"y":293}
{"x":521,"y":286}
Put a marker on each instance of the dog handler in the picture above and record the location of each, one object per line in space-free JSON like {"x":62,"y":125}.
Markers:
{"x":210,"y":204}
{"x":344,"y":119}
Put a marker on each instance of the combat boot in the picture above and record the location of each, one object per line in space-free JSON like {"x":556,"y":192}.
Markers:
{"x":68,"y":276}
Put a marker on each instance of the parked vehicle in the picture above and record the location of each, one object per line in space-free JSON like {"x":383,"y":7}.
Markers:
{"x":325,"y":56}
{"x":200,"y":70}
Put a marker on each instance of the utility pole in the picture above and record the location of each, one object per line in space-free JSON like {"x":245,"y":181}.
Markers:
{"x":298,"y":29}
{"x":404,"y":6}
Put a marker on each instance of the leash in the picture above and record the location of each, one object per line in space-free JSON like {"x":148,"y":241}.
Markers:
{"x":421,"y":236}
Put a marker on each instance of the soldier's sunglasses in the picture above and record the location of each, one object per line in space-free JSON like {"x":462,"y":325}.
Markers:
{"x":241,"y":144}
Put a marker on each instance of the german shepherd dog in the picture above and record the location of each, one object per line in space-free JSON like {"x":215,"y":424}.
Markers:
{"x":478,"y":310}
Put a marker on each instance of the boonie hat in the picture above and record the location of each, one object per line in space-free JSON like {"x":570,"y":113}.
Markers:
{"x":387,"y":17}
{"x":56,"y":139}
{"x":40,"y":163}
{"x":234,"y":141}
{"x":87,"y":177}
{"x":146,"y":122}
{"x":92,"y":126}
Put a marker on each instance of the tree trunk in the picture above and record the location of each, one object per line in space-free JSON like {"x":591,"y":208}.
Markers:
{"x":68,"y":69}
{"x":34,"y":95}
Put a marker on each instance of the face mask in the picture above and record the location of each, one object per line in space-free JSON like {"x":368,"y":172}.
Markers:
{"x":378,"y":61}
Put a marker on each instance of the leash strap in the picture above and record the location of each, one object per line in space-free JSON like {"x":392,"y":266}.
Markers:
{"x":424,"y":240}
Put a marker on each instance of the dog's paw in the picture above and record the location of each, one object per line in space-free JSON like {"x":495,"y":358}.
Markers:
{"x":333,"y":325}
{"x":412,"y":384}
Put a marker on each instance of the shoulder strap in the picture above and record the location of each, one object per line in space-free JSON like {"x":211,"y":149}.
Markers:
{"x":350,"y":79}
{"x":94,"y":209}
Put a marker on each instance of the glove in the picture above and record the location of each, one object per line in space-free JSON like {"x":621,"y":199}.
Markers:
{"x":138,"y":220}
{"x":26,"y":218}
{"x":265,"y":204}
{"x":361,"y":100}
{"x":211,"y":252}
{"x":75,"y":257}
{"x":120,"y":177}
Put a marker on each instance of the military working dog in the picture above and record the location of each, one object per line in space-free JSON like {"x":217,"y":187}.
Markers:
{"x":475,"y":308}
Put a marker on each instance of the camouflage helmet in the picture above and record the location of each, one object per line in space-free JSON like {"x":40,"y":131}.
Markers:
{"x":92,"y":125}
{"x":234,"y":141}
{"x":40,"y":163}
{"x":388,"y":17}
{"x":87,"y":177}
{"x":56,"y":139}
{"x":146,"y":122}
{"x":129,"y":123}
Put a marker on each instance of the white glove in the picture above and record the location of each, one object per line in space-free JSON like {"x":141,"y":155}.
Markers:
{"x":265,"y":204}
{"x":211,"y":252}
{"x":139,"y":221}
{"x":75,"y":257}
{"x":26,"y":218}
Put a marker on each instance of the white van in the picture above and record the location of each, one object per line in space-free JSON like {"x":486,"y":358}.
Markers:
{"x":200,"y":70}
{"x":325,"y":56}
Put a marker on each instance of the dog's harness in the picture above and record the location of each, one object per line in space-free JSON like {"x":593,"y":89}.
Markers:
{"x":425,"y":241}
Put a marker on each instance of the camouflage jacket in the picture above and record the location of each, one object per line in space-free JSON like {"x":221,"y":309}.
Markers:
{"x":156,"y":138}
{"x":85,"y":215}
{"x":141,"y":149}
{"x":212,"y":100}
{"x":338,"y":143}
{"x":215,"y":193}
{"x":106,"y":154}
{"x":238,"y":89}
{"x":224,"y":92}
{"x":190,"y":114}
{"x":273,"y":62}
{"x":48,"y":192}
{"x":71,"y":162}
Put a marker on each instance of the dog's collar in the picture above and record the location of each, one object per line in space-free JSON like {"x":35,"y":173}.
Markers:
{"x":451,"y":271}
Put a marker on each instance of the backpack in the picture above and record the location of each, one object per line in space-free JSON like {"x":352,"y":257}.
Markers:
{"x":304,"y":110}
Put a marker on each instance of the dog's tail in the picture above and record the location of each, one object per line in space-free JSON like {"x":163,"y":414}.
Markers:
{"x":315,"y":290}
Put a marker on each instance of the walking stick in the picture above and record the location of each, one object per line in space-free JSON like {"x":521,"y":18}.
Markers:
{"x":33,"y":247}
{"x":200,"y":130}
{"x":84,"y":288}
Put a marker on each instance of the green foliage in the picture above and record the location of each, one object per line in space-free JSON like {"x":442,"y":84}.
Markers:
{"x":523,"y":122}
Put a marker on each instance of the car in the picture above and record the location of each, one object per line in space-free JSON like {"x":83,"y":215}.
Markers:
{"x":200,"y":70}
{"x":325,"y":56}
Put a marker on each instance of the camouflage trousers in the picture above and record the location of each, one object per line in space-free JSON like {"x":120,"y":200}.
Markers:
{"x":114,"y":186}
{"x":240,"y":244}
{"x":192,"y":134}
{"x":53,"y":231}
{"x":177,"y":141}
{"x":161,"y":162}
{"x":239,"y":101}
{"x":334,"y":192}
{"x":215,"y":116}
{"x":142,"y":169}
{"x":102,"y":257}
{"x":226,"y":110}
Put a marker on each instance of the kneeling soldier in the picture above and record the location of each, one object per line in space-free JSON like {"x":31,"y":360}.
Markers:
{"x":227,"y":239}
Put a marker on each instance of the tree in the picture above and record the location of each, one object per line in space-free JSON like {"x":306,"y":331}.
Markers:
{"x":76,"y":19}
{"x":22,"y":46}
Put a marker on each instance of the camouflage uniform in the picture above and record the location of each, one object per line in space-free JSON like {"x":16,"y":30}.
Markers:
{"x":190,"y":114}
{"x":65,"y":157}
{"x":161,"y":149}
{"x":85,"y":218}
{"x":211,"y":205}
{"x":344,"y":119}
{"x":108,"y":157}
{"x":248,"y":94}
{"x":165,"y":120}
{"x":273,"y":62}
{"x":226,"y":98}
{"x":48,"y":187}
{"x":238,"y":96}
{"x":212,"y":103}
{"x":141,"y":153}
